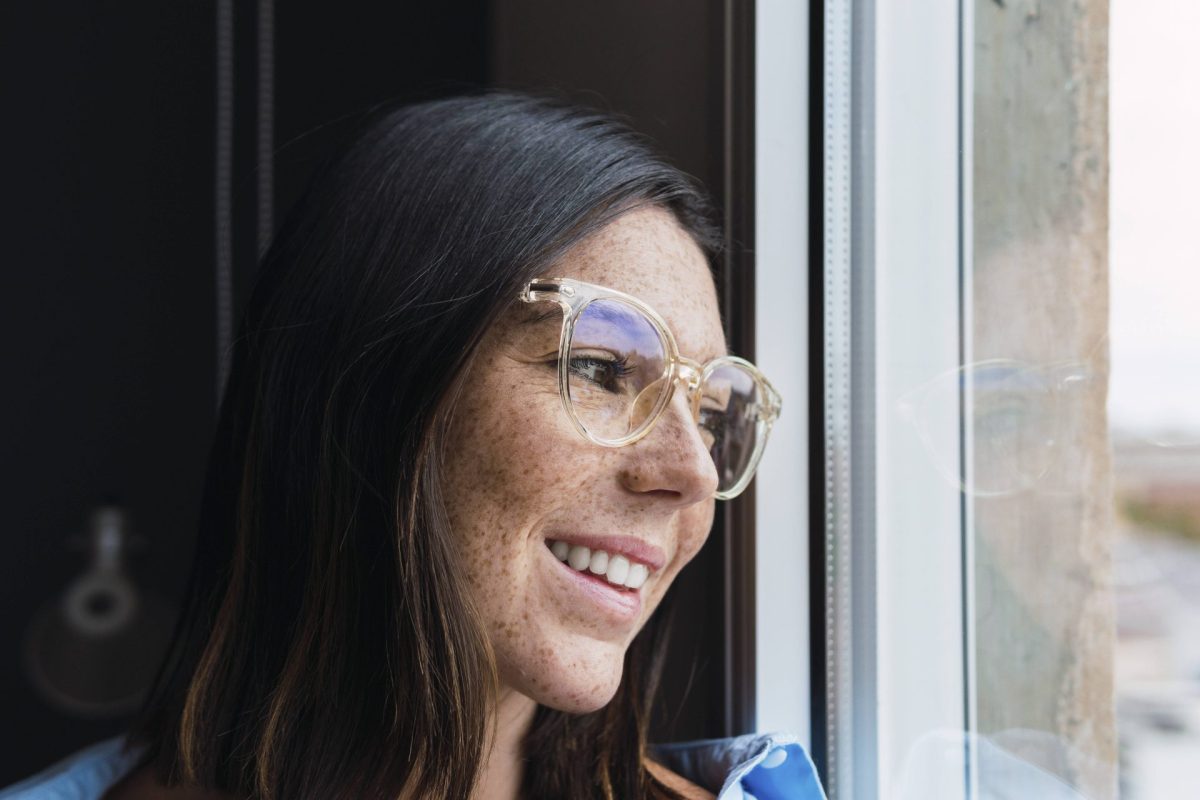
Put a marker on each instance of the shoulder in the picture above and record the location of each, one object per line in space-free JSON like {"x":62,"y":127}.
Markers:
{"x":84,"y":775}
{"x":769,"y":766}
{"x":107,"y":770}
{"x":143,"y":783}
{"x":678,"y":782}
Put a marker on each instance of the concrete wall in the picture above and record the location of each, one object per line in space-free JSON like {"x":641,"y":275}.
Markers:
{"x":1045,"y":615}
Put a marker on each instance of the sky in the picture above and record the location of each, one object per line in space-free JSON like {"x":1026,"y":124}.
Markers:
{"x":1154,"y":217}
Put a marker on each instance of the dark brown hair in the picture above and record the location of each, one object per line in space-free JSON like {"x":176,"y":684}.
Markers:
{"x":328,"y":647}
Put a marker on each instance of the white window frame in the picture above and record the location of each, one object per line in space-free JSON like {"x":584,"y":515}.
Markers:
{"x":899,"y":612}
{"x":924,"y":559}
{"x":781,"y":336}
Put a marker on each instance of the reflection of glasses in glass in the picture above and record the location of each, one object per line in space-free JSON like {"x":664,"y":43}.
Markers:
{"x":1017,"y":416}
{"x":617,"y":369}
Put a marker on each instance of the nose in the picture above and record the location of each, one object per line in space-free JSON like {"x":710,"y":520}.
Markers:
{"x":672,"y":458}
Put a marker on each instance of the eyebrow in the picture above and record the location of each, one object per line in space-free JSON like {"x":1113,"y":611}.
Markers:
{"x":532,"y":315}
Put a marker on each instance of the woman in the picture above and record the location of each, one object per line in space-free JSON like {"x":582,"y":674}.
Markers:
{"x":468,"y":442}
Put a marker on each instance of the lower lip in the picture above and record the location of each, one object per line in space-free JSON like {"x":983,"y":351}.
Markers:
{"x":620,"y":605}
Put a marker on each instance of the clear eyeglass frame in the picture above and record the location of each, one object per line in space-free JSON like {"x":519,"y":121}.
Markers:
{"x":574,"y":297}
{"x":1035,"y":404}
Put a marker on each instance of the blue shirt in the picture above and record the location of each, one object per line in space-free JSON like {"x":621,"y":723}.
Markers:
{"x":769,"y":766}
{"x":756,"y":766}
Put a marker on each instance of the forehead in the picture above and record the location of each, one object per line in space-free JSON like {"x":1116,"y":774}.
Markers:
{"x":647,"y":254}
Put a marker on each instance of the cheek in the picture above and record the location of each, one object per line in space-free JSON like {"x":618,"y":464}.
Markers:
{"x":488,"y":448}
{"x":507,"y":463}
{"x":692,"y":532}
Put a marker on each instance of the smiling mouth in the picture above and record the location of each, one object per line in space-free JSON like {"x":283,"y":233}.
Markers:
{"x":613,"y":571}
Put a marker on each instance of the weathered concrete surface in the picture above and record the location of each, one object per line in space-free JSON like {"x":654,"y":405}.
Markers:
{"x":1045,"y":614}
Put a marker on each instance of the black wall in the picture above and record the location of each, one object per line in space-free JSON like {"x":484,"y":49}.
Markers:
{"x":108,"y":255}
{"x":107,"y":311}
{"x":109,"y":341}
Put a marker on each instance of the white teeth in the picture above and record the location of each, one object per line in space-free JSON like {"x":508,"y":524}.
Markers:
{"x":637,"y":575}
{"x":560,"y":550}
{"x":618,"y":569}
{"x":579,"y":557}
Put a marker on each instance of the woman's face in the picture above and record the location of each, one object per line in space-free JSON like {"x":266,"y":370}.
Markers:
{"x":520,"y":477}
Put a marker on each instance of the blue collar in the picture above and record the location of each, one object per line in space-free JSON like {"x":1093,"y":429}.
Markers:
{"x":767,"y":766}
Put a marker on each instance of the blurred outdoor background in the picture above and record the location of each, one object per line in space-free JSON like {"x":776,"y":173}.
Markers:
{"x":1154,"y":398}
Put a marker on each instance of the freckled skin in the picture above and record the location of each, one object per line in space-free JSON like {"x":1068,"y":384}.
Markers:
{"x":517,"y":470}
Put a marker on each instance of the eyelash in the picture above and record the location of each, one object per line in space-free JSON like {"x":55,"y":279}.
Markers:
{"x":619,"y":368}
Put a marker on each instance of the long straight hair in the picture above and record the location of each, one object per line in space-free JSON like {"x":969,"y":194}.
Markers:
{"x":328,"y":646}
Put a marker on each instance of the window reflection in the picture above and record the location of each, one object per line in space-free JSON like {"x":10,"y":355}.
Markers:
{"x":1016,"y":411}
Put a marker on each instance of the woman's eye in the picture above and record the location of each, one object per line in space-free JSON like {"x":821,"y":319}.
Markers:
{"x":712,"y":426}
{"x":604,"y":372}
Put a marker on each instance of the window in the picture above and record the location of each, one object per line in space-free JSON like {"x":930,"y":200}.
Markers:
{"x":1004,"y":396}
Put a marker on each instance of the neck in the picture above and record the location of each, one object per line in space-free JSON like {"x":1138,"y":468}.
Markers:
{"x":503,"y":768}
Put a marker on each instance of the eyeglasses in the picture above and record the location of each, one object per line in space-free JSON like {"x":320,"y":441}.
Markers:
{"x":617,"y":369}
{"x":1017,"y":414}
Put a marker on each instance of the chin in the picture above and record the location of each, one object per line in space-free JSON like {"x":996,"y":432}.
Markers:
{"x":580,"y":699}
{"x":580,"y":684}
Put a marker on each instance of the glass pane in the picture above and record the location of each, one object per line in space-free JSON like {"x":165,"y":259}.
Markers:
{"x":729,"y":413}
{"x":617,"y":364}
{"x":1154,"y":399}
{"x":1082,"y":464}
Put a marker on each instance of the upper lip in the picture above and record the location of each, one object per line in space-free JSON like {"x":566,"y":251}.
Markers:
{"x":631,"y":547}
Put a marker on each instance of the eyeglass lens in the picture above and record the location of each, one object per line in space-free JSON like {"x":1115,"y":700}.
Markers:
{"x":617,"y":377}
